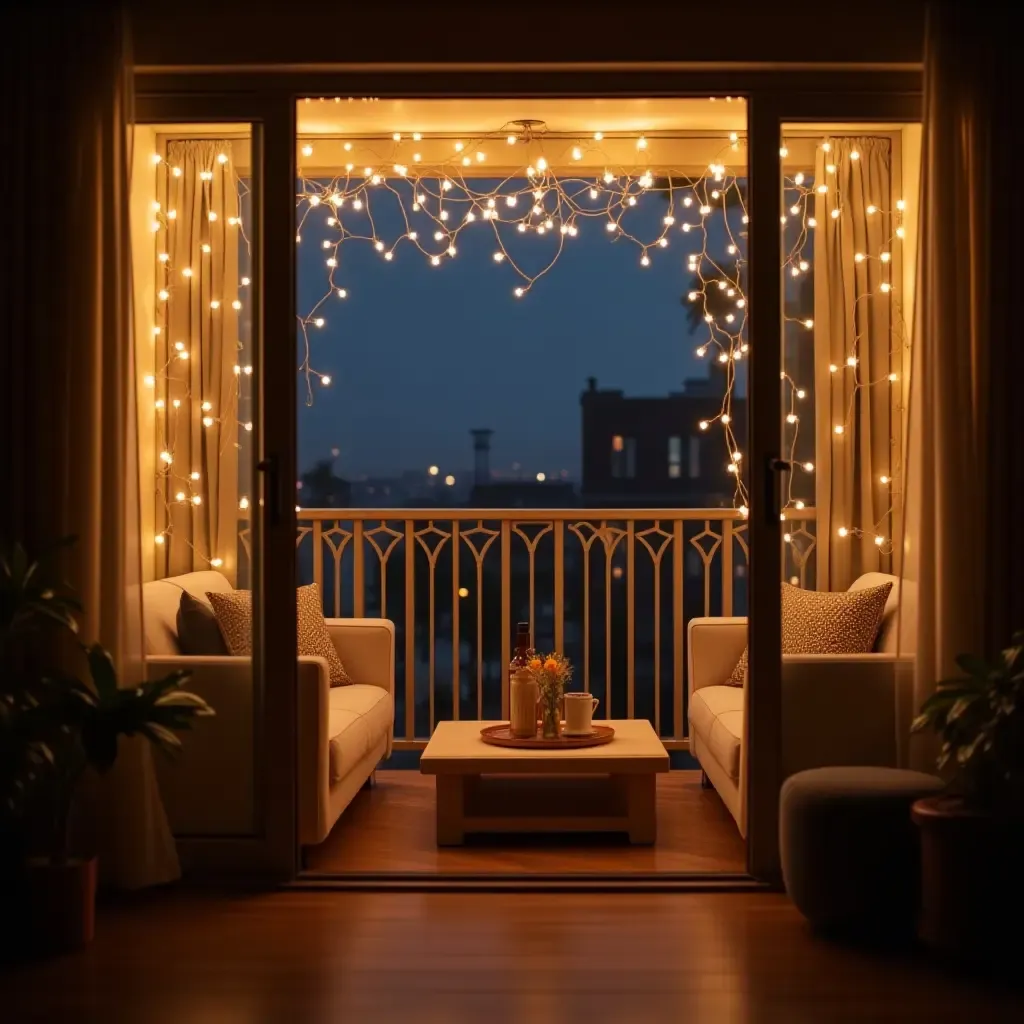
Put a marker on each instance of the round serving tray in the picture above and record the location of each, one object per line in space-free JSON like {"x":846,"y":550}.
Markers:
{"x":501,"y":736}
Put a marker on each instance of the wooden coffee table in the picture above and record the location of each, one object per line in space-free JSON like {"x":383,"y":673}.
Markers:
{"x":481,"y":788}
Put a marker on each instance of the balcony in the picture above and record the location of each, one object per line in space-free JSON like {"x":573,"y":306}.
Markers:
{"x":612,"y":588}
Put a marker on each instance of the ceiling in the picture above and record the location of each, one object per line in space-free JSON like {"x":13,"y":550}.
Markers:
{"x":362,"y":117}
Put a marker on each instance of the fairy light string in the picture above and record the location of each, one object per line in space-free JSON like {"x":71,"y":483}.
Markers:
{"x":546,"y":201}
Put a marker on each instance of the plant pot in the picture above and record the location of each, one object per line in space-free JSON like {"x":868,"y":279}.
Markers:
{"x":61,"y":903}
{"x":972,"y":879}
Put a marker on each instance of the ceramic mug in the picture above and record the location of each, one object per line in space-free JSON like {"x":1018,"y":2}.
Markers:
{"x":579,"y":714}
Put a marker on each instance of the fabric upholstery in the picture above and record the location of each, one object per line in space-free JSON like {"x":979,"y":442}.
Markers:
{"x":837,"y":709}
{"x":849,"y":851}
{"x":820,"y":622}
{"x":359,"y":716}
{"x":716,"y":714}
{"x":343,"y":732}
{"x":198,"y":632}
{"x":234,"y":616}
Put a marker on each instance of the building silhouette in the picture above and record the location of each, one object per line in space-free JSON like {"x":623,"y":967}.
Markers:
{"x":650,"y":452}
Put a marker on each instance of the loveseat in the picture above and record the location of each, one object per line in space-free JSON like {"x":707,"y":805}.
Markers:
{"x":343,"y":731}
{"x":837,"y":709}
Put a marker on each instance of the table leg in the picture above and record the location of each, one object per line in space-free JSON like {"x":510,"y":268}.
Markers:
{"x":450,"y":796}
{"x":643,"y":824}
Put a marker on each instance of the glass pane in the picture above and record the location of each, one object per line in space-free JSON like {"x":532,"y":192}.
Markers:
{"x":522,"y":398}
{"x":849,"y":226}
{"x":193,"y":297}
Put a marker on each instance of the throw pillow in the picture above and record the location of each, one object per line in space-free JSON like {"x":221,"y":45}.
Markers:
{"x":234,"y":617}
{"x":198,"y":632}
{"x":820,"y":622}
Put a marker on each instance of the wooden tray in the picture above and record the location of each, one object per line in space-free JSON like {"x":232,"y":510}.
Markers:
{"x":501,"y":736}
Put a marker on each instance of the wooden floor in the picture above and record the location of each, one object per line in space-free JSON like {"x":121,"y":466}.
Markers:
{"x":391,"y":828}
{"x":374,"y":958}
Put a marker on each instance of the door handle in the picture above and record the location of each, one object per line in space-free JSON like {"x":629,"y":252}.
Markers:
{"x":775,"y":467}
{"x":272,"y":489}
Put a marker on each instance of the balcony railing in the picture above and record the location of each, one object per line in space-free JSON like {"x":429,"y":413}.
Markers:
{"x":611,"y":588}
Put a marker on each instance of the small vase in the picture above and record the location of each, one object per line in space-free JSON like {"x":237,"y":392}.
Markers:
{"x":551,"y":725}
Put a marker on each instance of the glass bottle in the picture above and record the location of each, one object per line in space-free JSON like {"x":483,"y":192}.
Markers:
{"x":522,"y":687}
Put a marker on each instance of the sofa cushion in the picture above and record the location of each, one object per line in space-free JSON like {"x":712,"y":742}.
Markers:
{"x":161,"y":600}
{"x":358,"y":718}
{"x":824,"y":622}
{"x":716,"y":716}
{"x":234,"y":617}
{"x":198,"y":632}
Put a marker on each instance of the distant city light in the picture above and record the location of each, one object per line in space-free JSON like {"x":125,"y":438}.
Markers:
{"x":433,"y":471}
{"x":450,"y":480}
{"x":463,"y":592}
{"x":541,"y":477}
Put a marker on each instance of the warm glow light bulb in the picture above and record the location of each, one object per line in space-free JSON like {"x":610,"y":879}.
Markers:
{"x":842,"y":531}
{"x":839,"y":428}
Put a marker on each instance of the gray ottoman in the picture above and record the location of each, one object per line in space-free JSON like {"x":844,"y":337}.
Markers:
{"x":849,"y":850}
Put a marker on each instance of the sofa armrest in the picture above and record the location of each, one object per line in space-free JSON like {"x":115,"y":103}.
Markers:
{"x":208,"y":787}
{"x":367,"y":650}
{"x":714,"y":645}
{"x":841,"y":709}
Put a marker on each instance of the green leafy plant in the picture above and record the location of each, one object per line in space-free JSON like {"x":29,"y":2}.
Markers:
{"x":56,"y":724}
{"x":980,"y":719}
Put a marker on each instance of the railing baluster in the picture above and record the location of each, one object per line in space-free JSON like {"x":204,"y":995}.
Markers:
{"x":358,"y":571}
{"x":559,"y":585}
{"x":630,"y":618}
{"x":318,"y":558}
{"x":455,"y":620}
{"x":677,"y":629}
{"x":727,"y":567}
{"x":506,"y":612}
{"x":657,"y":649}
{"x":410,"y":629}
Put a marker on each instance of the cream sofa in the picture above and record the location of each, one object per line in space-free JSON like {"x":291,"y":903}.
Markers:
{"x":343,"y":731}
{"x":836,"y":709}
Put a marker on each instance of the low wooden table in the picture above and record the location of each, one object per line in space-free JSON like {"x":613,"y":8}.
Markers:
{"x":481,"y":788}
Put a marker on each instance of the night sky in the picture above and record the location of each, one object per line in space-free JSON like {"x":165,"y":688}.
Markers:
{"x":419,"y":355}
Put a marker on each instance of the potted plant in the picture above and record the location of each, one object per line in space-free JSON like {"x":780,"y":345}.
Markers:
{"x":57,"y":724}
{"x":972,"y":836}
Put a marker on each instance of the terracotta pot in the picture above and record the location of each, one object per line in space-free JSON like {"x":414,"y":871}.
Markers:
{"x":972,"y":885}
{"x":61,"y":901}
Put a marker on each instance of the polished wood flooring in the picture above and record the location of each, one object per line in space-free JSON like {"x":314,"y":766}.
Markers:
{"x":390,"y":828}
{"x":373,"y":958}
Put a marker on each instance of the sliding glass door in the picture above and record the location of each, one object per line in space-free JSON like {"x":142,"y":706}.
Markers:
{"x":218,"y":517}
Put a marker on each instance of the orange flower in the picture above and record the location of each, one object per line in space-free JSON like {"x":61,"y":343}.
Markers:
{"x":551,"y":665}
{"x":535,"y":664}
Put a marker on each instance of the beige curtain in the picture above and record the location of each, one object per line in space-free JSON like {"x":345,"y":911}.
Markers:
{"x":69,"y":452}
{"x":965,"y":458}
{"x":196,"y":356}
{"x":854,"y":319}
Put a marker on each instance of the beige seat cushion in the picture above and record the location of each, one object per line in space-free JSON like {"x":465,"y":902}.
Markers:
{"x":716,"y":715}
{"x":358,"y":718}
{"x":234,"y":616}
{"x":824,"y":622}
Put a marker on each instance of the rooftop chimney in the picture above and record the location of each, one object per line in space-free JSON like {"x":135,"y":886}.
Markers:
{"x":482,"y":455}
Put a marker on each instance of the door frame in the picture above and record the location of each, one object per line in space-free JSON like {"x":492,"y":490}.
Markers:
{"x":271,"y":852}
{"x":773,"y":96}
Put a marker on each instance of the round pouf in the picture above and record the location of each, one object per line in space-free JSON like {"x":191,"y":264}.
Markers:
{"x":849,"y":850}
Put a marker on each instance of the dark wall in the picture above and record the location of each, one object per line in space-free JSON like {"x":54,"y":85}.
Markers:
{"x":191,"y":33}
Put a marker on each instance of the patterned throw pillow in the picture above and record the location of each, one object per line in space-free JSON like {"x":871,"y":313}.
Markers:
{"x":234,"y":616}
{"x":820,"y":622}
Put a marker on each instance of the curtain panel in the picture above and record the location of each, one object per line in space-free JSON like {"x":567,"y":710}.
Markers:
{"x":69,"y":456}
{"x":196,"y":355}
{"x":857,"y":426}
{"x":965,"y":458}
